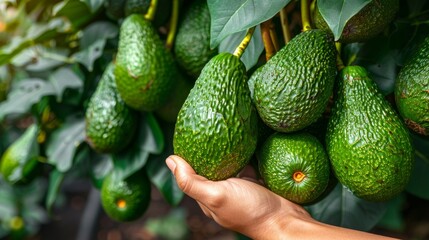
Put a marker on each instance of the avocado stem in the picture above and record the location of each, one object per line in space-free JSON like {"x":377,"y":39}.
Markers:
{"x":243,"y":45}
{"x":305,"y":16}
{"x":270,"y":50}
{"x":173,"y":25}
{"x":285,"y":25}
{"x":150,"y":14}
{"x":273,"y":35}
{"x":340,"y":63}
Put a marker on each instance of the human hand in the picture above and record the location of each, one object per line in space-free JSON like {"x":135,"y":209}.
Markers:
{"x":237,"y":204}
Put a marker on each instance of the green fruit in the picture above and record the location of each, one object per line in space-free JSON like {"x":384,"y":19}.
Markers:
{"x":293,"y":88}
{"x":192,"y":44}
{"x":369,"y":146}
{"x":136,"y":6}
{"x":216,"y":128}
{"x":145,"y":70}
{"x":110,"y":123}
{"x":412,"y":90}
{"x":295,"y":166}
{"x":171,"y":109}
{"x":367,"y":23}
{"x":19,"y":163}
{"x":125,"y":199}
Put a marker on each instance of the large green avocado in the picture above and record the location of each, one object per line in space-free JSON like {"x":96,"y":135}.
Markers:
{"x":216,"y":129}
{"x":110,"y":123}
{"x":292,"y":89}
{"x":192,"y":44}
{"x":367,"y":23}
{"x":295,"y":166}
{"x":368,"y":144}
{"x":145,"y":71}
{"x":412,"y":90}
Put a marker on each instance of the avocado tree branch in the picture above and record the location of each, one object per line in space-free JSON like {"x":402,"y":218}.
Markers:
{"x":285,"y":25}
{"x":151,"y":11}
{"x":340,"y":63}
{"x":243,"y":45}
{"x":305,"y":15}
{"x":266,"y":38}
{"x":173,"y":25}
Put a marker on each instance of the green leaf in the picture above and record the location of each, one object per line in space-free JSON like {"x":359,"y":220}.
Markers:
{"x":338,"y":12}
{"x":64,"y":78}
{"x":418,"y":184}
{"x":94,"y":5}
{"x":63,"y":143}
{"x":253,"y":51}
{"x":149,"y":139}
{"x":23,"y":95}
{"x":342,"y":208}
{"x":88,"y":56}
{"x":159,"y":174}
{"x":55,"y":180}
{"x":96,"y":31}
{"x":76,"y":11}
{"x":40,"y":58}
{"x":9,"y":51}
{"x":228,"y":17}
{"x":393,"y":218}
{"x":101,"y":166}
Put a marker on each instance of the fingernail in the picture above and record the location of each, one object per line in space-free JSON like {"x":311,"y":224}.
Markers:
{"x":170,"y":164}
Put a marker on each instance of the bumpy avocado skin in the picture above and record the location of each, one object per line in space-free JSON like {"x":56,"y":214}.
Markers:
{"x":367,"y":23}
{"x":293,"y":88}
{"x":283,"y":154}
{"x":216,"y":129}
{"x":110,"y":123}
{"x":412,"y":90}
{"x":145,"y":71}
{"x":368,"y":144}
{"x":192,"y":44}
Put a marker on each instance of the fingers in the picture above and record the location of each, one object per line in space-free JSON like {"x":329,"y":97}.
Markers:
{"x":189,"y":182}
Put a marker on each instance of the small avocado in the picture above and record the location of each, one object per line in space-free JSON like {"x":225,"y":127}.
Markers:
{"x":19,"y":163}
{"x":412,"y":90}
{"x":125,"y":199}
{"x":294,"y":166}
{"x":145,"y":71}
{"x":216,"y":129}
{"x":292,"y":89}
{"x":367,"y":142}
{"x":366,"y":24}
{"x":192,"y":44}
{"x":110,"y":123}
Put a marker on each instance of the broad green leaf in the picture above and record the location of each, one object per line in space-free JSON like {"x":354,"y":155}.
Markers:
{"x":96,"y":31}
{"x":23,"y":95}
{"x":76,"y":11}
{"x":55,"y":180}
{"x":101,"y":166}
{"x":88,"y":56}
{"x":64,"y":78}
{"x":228,"y":17}
{"x":94,"y":5}
{"x":149,"y":139}
{"x":39,"y":32}
{"x":11,"y":50}
{"x":337,"y":12}
{"x":418,"y":184}
{"x":253,"y":51}
{"x":63,"y":143}
{"x":40,"y":58}
{"x":159,"y":174}
{"x":342,"y":208}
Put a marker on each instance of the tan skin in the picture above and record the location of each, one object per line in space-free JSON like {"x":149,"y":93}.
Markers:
{"x":247,"y":207}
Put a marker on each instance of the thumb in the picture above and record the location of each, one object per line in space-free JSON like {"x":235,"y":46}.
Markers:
{"x":187,"y":179}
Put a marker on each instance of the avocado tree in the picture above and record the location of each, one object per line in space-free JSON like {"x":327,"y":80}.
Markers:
{"x":91,"y":89}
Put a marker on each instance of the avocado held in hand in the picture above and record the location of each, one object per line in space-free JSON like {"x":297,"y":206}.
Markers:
{"x":412,"y":90}
{"x":368,"y":144}
{"x":292,"y":89}
{"x":295,"y":166}
{"x":110,"y":123}
{"x":145,"y":71}
{"x":216,"y":129}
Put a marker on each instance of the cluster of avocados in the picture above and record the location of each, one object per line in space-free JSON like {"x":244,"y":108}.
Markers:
{"x":223,"y":117}
{"x":365,"y":145}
